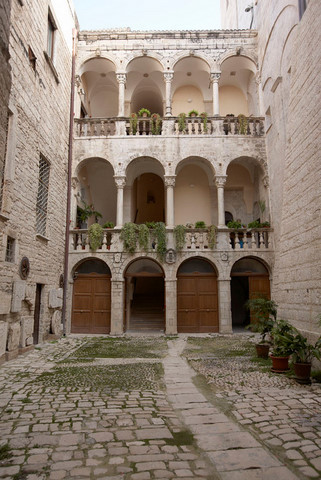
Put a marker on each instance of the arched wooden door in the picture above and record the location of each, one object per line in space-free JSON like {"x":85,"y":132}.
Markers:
{"x":91,"y":298}
{"x":197,"y":299}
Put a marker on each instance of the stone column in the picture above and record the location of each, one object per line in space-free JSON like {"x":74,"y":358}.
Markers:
{"x":121,"y":79}
{"x":170,"y":184}
{"x":220,"y":181}
{"x":224,"y":302}
{"x":120,"y":184}
{"x":168,"y":78}
{"x":117,"y":307}
{"x":215,"y":77}
{"x":171,"y":307}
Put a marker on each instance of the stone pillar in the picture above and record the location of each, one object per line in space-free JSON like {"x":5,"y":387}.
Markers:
{"x":120,"y":184}
{"x":220,"y":181}
{"x":224,"y":302}
{"x":117,"y":307}
{"x":168,"y":78}
{"x":259,"y":99}
{"x":170,"y":184}
{"x":170,"y":307}
{"x":215,"y":77}
{"x":121,"y":79}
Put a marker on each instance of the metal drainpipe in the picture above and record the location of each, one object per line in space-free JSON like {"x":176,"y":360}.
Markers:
{"x":71,"y":127}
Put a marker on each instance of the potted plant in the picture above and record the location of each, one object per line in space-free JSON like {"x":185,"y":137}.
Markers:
{"x":283,"y":336}
{"x":264,"y":312}
{"x":109,"y":225}
{"x":144,"y":112}
{"x":265,"y":225}
{"x":302,"y":355}
{"x":193,"y":113}
{"x":84,"y":213}
{"x":235,"y":224}
{"x":182,"y":122}
{"x":254,"y":224}
{"x":200,"y":224}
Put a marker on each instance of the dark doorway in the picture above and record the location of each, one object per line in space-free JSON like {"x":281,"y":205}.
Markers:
{"x":145,"y":297}
{"x":36,"y":322}
{"x":239,"y":295}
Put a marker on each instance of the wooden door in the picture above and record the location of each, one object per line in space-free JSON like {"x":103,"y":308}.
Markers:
{"x":91,"y":304}
{"x":197,"y":304}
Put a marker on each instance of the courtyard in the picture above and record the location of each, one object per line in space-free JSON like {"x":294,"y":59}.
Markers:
{"x":155,"y":407}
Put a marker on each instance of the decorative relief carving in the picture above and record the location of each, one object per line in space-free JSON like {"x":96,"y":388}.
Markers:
{"x":215,"y":77}
{"x":170,"y":181}
{"x":121,"y":77}
{"x":168,"y":76}
{"x":120,"y":181}
{"x":170,"y":256}
{"x":220,"y":180}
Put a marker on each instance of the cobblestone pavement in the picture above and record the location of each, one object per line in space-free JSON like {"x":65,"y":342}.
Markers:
{"x":84,"y":408}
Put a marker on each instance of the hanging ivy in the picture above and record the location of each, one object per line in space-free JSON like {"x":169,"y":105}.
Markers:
{"x":203,"y":115}
{"x":156,"y":124}
{"x":160,"y":237}
{"x":133,"y":123}
{"x":242,"y":124}
{"x":128,"y":235}
{"x":143,"y":236}
{"x":179,"y":237}
{"x":96,"y":234}
{"x":212,"y":236}
{"x":182,"y":122}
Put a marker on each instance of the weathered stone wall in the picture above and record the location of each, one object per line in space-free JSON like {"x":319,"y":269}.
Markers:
{"x":5,"y":80}
{"x":297,"y":286}
{"x":39,"y":103}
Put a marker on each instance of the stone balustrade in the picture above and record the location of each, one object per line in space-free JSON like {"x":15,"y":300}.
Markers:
{"x":196,"y":240}
{"x":215,"y":126}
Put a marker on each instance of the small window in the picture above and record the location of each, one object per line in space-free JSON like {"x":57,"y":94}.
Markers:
{"x":10,"y":249}
{"x":51,"y":36}
{"x":32,"y":58}
{"x":42,"y":198}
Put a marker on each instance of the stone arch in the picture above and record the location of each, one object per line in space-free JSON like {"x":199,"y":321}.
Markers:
{"x":260,"y":161}
{"x":90,"y":259}
{"x":141,"y":165}
{"x":201,"y":258}
{"x":197,"y":296}
{"x":250,"y":277}
{"x":158,"y":58}
{"x":90,"y":57}
{"x":91,"y":303}
{"x":86,"y":160}
{"x":210,"y":63}
{"x":235,"y":53}
{"x":144,"y":295}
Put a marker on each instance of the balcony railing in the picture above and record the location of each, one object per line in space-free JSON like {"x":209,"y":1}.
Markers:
{"x":117,"y":126}
{"x":196,"y":240}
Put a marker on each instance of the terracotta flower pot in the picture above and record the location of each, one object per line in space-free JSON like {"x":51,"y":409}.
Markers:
{"x":279,"y":364}
{"x":262,"y":350}
{"x":302,"y":372}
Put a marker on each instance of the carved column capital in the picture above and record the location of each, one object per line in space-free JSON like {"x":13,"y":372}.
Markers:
{"x":170,"y":180}
{"x":120,"y":181}
{"x":74,"y":183}
{"x":168,"y":76}
{"x":220,"y":180}
{"x":121,"y":77}
{"x":215,"y":77}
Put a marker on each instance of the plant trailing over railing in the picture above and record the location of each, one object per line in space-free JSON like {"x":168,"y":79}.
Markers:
{"x":203,"y":115}
{"x":143,"y":236}
{"x":150,"y":224}
{"x":159,"y":234}
{"x":143,"y":111}
{"x":128,"y":235}
{"x":96,"y":234}
{"x":156,"y":124}
{"x":133,"y":123}
{"x":182,"y":122}
{"x":212,"y":236}
{"x":193,"y":113}
{"x":179,"y":237}
{"x":242,"y":124}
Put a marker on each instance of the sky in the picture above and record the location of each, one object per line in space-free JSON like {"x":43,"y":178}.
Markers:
{"x":148,"y":14}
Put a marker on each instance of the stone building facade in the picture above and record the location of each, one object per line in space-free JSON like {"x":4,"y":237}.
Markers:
{"x":244,"y":157}
{"x":289,"y":69}
{"x":33,"y":205}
